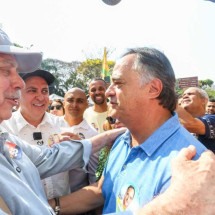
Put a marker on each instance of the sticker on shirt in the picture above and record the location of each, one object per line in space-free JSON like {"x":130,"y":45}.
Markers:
{"x":54,"y":138}
{"x":81,"y":136}
{"x":15,"y":151}
{"x":127,"y":199}
{"x":95,"y":126}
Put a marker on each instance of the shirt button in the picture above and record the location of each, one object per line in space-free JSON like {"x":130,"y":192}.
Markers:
{"x":18,"y":169}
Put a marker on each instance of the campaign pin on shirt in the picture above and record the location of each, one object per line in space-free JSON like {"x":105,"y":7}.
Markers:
{"x":54,"y":138}
{"x":15,"y":151}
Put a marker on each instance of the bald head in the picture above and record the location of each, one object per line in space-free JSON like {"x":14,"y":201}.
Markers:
{"x":75,"y":90}
{"x":75,"y":103}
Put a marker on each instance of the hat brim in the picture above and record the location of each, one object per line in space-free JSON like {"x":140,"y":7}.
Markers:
{"x":28,"y":61}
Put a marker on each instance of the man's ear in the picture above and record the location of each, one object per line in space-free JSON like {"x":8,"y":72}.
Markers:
{"x":155,"y":88}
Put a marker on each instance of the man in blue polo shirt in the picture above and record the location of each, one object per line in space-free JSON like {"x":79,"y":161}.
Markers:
{"x":141,"y":96}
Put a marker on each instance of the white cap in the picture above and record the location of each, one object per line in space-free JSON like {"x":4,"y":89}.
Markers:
{"x":28,"y":61}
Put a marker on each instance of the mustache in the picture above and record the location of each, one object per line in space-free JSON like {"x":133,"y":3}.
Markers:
{"x":13,"y":95}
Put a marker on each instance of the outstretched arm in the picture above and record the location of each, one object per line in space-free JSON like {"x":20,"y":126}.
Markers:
{"x":83,"y":200}
{"x":105,"y":139}
{"x":192,"y":124}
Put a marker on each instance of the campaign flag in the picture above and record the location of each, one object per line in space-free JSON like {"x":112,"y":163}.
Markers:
{"x":105,"y":69}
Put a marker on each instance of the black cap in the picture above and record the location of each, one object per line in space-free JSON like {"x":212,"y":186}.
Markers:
{"x":49,"y":78}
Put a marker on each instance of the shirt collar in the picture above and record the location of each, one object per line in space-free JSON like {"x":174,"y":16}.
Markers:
{"x":21,"y":122}
{"x":159,"y":136}
{"x":83,"y":124}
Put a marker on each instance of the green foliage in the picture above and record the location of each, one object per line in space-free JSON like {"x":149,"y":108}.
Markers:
{"x":210,"y":92}
{"x":73,"y":74}
{"x":64,"y":73}
{"x":79,"y":74}
{"x":207,"y":82}
{"x":91,"y":68}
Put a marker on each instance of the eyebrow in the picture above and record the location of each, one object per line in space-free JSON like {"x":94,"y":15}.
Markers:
{"x":35,"y":88}
{"x":7,"y":62}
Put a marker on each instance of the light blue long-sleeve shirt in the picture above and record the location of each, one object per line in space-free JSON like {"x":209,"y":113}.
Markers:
{"x":22,"y":166}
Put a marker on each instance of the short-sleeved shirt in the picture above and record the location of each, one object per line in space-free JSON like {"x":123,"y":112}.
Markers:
{"x":145,"y":169}
{"x":95,"y":119}
{"x":79,"y":178}
{"x":209,"y":138}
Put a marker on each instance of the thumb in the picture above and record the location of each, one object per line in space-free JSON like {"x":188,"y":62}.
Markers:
{"x":187,"y":153}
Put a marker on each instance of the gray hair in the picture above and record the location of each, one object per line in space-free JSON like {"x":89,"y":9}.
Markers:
{"x":203,"y":94}
{"x":151,"y":63}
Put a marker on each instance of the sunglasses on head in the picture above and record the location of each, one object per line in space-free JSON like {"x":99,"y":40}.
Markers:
{"x":111,"y":120}
{"x":58,"y":107}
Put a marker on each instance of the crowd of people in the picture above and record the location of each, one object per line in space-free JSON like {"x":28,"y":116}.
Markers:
{"x":140,"y":151}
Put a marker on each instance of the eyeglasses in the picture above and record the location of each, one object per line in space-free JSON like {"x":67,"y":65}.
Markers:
{"x":58,"y":107}
{"x":111,"y":120}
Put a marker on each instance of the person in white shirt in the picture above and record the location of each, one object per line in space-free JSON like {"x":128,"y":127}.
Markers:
{"x":75,"y":103}
{"x":96,"y":115}
{"x":33,"y":124}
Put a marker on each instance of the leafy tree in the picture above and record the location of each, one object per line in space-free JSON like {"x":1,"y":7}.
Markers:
{"x":206,"y":83}
{"x":210,"y":92}
{"x":89,"y":69}
{"x":63,"y":72}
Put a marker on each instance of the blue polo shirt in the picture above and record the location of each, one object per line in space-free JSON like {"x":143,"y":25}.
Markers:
{"x":134,"y":176}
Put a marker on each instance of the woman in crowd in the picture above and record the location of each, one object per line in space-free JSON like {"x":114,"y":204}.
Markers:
{"x":56,"y":107}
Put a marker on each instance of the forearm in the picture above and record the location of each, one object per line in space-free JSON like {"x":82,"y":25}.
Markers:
{"x":192,"y":124}
{"x":105,"y":139}
{"x":83,"y":200}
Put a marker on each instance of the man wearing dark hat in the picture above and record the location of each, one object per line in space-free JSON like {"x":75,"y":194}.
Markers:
{"x":33,"y":124}
{"x":21,"y":164}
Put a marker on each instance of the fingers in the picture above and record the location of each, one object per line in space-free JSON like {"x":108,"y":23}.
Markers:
{"x":207,"y":156}
{"x":187,"y":153}
{"x":66,"y":133}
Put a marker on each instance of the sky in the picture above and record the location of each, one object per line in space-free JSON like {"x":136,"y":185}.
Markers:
{"x":72,"y":30}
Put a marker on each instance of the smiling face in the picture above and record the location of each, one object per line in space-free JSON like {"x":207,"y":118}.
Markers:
{"x":34,"y":99}
{"x":129,"y":196}
{"x":97,"y":90}
{"x":210,"y":109}
{"x":10,"y":85}
{"x":193,"y":102}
